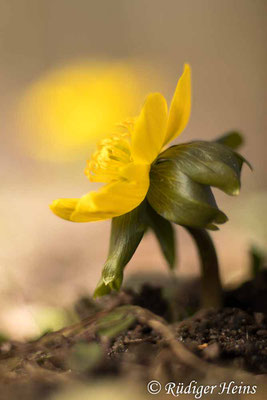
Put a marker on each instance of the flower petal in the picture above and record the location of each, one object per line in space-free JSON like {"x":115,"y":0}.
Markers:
{"x":150,"y":129}
{"x":110,"y":201}
{"x":180,"y":106}
{"x":63,"y":208}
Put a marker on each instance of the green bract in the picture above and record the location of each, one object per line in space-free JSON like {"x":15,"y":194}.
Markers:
{"x":180,"y":191}
{"x":126,"y":234}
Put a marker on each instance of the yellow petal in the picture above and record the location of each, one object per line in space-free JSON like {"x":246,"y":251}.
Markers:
{"x":180,"y":106}
{"x":150,"y":129}
{"x":110,"y":201}
{"x":63,"y":208}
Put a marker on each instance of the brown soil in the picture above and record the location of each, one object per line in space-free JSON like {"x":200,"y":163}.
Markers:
{"x":135,"y":337}
{"x":230,"y":337}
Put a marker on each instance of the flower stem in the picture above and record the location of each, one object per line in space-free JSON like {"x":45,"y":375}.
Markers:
{"x":211,"y":282}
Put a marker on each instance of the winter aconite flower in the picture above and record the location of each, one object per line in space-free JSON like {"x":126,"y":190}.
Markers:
{"x":63,"y":113}
{"x":149,"y":187}
{"x":123,"y":161}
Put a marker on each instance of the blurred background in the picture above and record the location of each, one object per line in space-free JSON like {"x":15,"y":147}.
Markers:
{"x":69,"y":71}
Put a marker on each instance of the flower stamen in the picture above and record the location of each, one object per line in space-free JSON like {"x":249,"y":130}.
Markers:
{"x":111,"y":156}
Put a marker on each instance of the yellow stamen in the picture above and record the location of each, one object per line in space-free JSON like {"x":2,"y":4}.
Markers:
{"x":107,"y":162}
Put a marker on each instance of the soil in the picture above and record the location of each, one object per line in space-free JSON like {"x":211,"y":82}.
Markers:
{"x":230,"y":337}
{"x":137,"y":337}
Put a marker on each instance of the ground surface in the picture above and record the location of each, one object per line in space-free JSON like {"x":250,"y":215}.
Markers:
{"x":135,"y":338}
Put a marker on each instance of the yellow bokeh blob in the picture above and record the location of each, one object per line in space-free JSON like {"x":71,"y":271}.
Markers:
{"x":64,"y":114}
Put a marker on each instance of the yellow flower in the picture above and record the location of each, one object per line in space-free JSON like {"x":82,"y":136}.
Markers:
{"x":62,"y":114}
{"x":123,"y":161}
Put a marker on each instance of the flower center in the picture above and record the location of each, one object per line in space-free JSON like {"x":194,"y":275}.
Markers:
{"x":111,"y":156}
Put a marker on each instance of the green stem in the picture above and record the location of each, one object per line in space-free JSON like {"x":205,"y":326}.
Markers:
{"x":211,"y":282}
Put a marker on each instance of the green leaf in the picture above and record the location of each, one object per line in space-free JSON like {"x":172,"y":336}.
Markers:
{"x":126,"y":234}
{"x":3,"y":338}
{"x":165,"y":234}
{"x":114,"y":323}
{"x":232,"y":139}
{"x":85,"y":356}
{"x":207,"y":163}
{"x":178,"y":198}
{"x":102,"y":289}
{"x":256,"y":260}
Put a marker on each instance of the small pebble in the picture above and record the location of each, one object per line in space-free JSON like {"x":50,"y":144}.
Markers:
{"x":5,"y":347}
{"x":262,"y":332}
{"x":212,"y":351}
{"x":203,"y":346}
{"x":259,"y":317}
